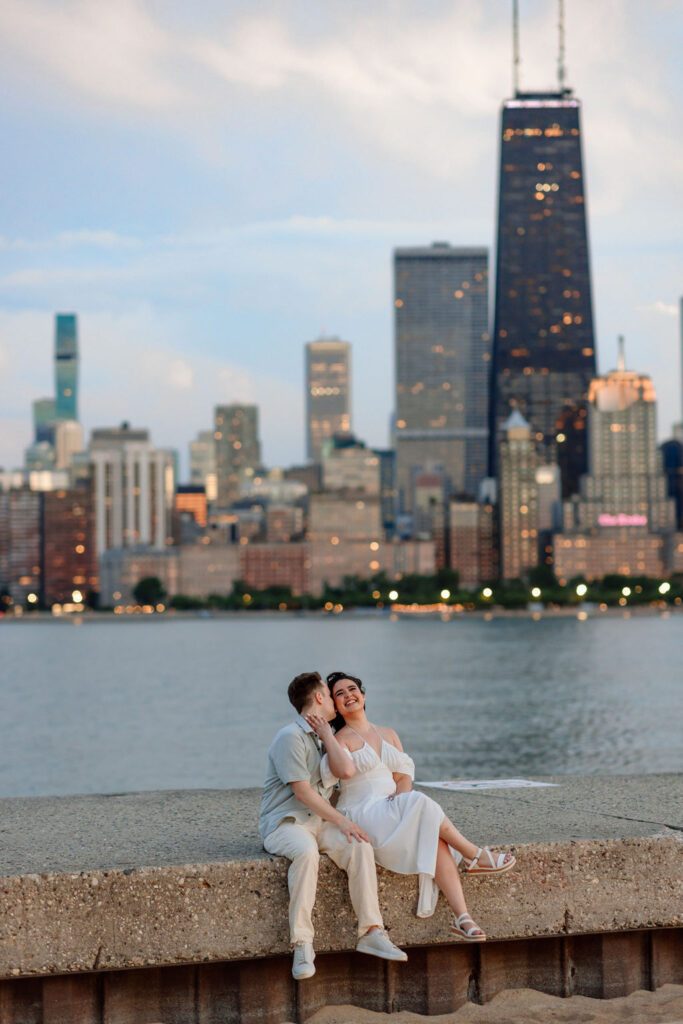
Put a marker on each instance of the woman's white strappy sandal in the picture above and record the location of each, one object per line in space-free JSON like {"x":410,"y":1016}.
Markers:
{"x":497,"y":862}
{"x":469,"y":932}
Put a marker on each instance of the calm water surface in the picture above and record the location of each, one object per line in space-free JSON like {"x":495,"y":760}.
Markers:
{"x":114,"y":706}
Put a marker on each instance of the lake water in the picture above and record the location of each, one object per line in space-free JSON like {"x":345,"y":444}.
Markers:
{"x":121,"y":705}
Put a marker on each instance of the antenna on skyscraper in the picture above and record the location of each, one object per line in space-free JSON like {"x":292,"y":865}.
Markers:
{"x":515,"y":47}
{"x":561,"y":70}
{"x":621,"y":359}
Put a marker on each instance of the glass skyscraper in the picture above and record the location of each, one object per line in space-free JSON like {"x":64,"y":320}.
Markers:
{"x":543,"y":355}
{"x":328,"y":393}
{"x":238,"y":450}
{"x":442,"y":361}
{"x":66,"y":367}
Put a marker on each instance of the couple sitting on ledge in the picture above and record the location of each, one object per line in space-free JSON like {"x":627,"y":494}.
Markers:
{"x":378,"y":817}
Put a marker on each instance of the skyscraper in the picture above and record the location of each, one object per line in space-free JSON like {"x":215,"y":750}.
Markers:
{"x":238,"y":450}
{"x":203,"y":463}
{"x":44,"y":415}
{"x":623,"y":518}
{"x":442,"y":358}
{"x":66,"y":367}
{"x":543,"y":342}
{"x":328,"y":392}
{"x":518,"y":498}
{"x":625,"y":484}
{"x":133,"y":485}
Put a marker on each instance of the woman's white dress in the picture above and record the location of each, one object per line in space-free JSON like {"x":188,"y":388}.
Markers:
{"x":404,"y":831}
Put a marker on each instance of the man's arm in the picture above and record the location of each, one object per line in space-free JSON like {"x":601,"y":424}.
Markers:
{"x":308,"y":796}
{"x":341,"y":762}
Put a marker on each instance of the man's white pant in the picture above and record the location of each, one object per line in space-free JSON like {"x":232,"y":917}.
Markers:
{"x":302,"y":844}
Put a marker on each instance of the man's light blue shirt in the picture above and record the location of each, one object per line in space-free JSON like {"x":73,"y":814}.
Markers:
{"x":294,"y":756}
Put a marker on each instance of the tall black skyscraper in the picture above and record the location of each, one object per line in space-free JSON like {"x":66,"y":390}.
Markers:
{"x":543,"y":355}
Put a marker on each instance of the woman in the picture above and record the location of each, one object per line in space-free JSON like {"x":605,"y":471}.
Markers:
{"x":409,"y":832}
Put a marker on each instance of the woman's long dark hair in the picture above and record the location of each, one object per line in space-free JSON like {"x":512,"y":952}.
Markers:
{"x":338,"y":721}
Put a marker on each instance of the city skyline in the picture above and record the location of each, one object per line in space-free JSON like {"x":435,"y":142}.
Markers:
{"x":147,"y":275}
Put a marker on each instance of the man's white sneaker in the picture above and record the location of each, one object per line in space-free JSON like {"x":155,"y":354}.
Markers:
{"x":302,"y":964}
{"x":378,"y":943}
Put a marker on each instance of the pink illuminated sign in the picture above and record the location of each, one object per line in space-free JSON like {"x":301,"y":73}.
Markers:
{"x":621,"y":519}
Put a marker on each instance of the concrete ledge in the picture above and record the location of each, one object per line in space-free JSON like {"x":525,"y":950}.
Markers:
{"x":88,"y":917}
{"x":116,"y":920}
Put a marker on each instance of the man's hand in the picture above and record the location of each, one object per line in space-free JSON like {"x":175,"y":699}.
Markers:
{"x":352,"y":832}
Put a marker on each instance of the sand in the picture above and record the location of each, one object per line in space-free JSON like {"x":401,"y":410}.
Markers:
{"x":526,"y":1006}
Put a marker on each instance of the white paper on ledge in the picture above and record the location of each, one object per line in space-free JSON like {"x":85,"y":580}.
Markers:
{"x":472,"y":784}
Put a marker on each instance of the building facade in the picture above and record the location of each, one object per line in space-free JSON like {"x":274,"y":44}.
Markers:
{"x":518,"y":500}
{"x":348,"y":464}
{"x":68,"y":441}
{"x":20,"y":544}
{"x":238,"y":450}
{"x":133,"y":486}
{"x":543,"y":340}
{"x":190,"y":499}
{"x":623,"y":518}
{"x":69,"y":557}
{"x":625,"y":479}
{"x":328,"y":393}
{"x":44,"y":415}
{"x":66,"y":366}
{"x":473,"y":547}
{"x":442,"y":352}
{"x":276,"y":565}
{"x":203,"y":463}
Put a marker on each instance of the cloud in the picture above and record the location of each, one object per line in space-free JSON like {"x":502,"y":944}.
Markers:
{"x":85,"y":239}
{"x":131,"y":370}
{"x":111,"y":52}
{"x":421,"y":85}
{"x":668,"y":308}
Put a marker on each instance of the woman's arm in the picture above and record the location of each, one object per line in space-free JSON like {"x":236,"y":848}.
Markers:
{"x":404,"y":783}
{"x":341,"y":762}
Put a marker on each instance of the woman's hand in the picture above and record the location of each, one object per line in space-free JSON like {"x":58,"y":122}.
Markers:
{"x":320,"y":725}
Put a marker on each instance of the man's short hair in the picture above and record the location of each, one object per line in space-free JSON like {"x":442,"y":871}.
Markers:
{"x":301,"y":688}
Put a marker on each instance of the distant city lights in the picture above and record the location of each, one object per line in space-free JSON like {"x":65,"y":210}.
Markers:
{"x":536,"y":592}
{"x":445,"y":594}
{"x":664,"y":588}
{"x":581,"y":589}
{"x":487,"y":592}
{"x":393,"y":595}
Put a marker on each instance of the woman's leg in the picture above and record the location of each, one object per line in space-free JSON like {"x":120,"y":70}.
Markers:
{"x":447,"y":878}
{"x":449,"y":833}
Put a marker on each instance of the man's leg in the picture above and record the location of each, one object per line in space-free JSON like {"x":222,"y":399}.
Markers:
{"x":358,"y":861}
{"x":298,"y":844}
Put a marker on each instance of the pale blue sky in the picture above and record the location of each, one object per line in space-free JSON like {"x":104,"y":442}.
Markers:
{"x":210,"y":186}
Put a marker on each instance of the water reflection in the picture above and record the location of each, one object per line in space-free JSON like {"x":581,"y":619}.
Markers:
{"x":161,"y":704}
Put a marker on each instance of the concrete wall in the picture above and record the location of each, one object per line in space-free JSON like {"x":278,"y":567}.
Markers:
{"x":89,"y":935}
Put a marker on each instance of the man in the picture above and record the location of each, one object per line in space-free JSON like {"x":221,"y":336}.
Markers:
{"x":298,"y":822}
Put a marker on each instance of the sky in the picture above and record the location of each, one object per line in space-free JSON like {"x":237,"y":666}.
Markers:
{"x":209,"y":186}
